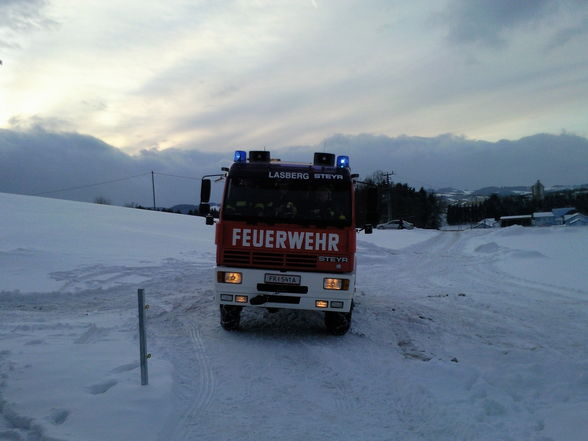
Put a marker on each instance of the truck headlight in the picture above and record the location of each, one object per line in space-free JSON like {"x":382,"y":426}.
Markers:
{"x":228,"y":277}
{"x":338,"y":284}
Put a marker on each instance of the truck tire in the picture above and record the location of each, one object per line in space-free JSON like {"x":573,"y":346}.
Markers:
{"x":230,"y":316}
{"x":338,"y":323}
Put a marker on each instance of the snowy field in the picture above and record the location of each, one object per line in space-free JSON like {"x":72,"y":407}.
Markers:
{"x":472,"y":335}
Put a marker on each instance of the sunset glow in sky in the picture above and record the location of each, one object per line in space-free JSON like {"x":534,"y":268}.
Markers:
{"x":212,"y":75}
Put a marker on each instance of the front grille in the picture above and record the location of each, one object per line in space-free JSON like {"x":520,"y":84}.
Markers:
{"x":269,"y":260}
{"x":300,"y":261}
{"x":233,"y":257}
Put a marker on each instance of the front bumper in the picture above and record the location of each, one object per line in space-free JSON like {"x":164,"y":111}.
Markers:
{"x":308,"y":295}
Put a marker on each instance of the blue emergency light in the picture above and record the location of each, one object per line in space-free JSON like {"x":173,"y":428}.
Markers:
{"x":240,"y":156}
{"x":342,"y":161}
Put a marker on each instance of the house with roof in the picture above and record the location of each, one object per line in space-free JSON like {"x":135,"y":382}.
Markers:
{"x":575,"y":220}
{"x":553,"y":217}
{"x":544,"y":219}
{"x":525,"y":220}
{"x":487,"y":223}
{"x":559,"y":214}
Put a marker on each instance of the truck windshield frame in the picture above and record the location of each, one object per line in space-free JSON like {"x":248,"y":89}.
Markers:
{"x":301,"y":200}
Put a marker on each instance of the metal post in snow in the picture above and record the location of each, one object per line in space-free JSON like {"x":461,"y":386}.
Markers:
{"x":142,"y":339}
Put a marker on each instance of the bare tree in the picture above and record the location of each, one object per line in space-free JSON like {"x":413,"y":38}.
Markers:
{"x":102,"y":200}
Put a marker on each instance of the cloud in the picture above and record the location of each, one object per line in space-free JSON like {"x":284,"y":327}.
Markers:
{"x":52,"y":124}
{"x":454,"y":161}
{"x":565,"y":35}
{"x":22,"y":16}
{"x":37,"y":161}
{"x":212,"y":75}
{"x":487,"y":22}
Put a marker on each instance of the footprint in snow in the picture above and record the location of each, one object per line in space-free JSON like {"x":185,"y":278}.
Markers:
{"x":93,"y":334}
{"x":34,"y":342}
{"x":409,"y":350}
{"x":58,"y":416}
{"x":125,"y":367}
{"x":101,"y":388}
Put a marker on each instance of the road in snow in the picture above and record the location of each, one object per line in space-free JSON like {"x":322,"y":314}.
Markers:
{"x":473,"y":335}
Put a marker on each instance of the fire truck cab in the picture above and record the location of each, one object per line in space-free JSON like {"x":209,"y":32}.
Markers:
{"x":286,"y":237}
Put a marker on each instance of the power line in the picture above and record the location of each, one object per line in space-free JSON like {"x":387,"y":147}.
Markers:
{"x":152,"y":173}
{"x":177,"y":176}
{"x":90,"y":185}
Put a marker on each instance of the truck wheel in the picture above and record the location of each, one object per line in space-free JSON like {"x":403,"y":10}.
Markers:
{"x":338,"y":323}
{"x":230,"y":317}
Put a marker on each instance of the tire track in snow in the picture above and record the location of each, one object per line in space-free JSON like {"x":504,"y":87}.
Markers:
{"x":206,"y":376}
{"x":547,"y":288}
{"x":472,"y":303}
{"x":197,"y":382}
{"x":490,"y":306}
{"x":334,"y":385}
{"x":531,"y":305}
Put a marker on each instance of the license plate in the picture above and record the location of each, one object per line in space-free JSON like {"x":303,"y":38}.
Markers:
{"x":282,"y":279}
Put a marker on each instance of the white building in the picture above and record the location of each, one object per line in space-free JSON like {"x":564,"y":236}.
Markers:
{"x":538,"y":191}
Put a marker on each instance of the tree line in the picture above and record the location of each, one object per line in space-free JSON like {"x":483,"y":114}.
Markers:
{"x":397,"y":201}
{"x":497,"y":206}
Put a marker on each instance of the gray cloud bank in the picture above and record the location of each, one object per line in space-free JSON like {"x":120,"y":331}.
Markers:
{"x":36,"y":161}
{"x":490,"y":23}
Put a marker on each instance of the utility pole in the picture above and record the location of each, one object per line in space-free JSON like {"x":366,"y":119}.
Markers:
{"x":389,"y":193}
{"x":153,"y":186}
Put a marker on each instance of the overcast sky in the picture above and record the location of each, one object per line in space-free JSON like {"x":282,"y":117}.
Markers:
{"x":217,"y":74}
{"x":67,"y":165}
{"x":105,"y":89}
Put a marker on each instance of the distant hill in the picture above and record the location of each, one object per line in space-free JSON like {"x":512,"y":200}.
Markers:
{"x":567,"y":187}
{"x":502,"y":191}
{"x":450,"y":190}
{"x":184,"y":208}
{"x":454,"y":195}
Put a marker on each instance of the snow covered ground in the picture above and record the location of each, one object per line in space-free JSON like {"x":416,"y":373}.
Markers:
{"x":472,"y":335}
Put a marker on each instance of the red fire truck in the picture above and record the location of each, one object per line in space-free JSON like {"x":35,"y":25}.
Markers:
{"x":285,"y":237}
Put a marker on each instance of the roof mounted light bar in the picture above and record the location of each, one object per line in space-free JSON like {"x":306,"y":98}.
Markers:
{"x":343,"y":161}
{"x":259,"y":156}
{"x":326,"y":159}
{"x":321,"y":159}
{"x":240,"y":156}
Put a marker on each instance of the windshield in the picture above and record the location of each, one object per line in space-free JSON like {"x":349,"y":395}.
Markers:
{"x":303,"y":202}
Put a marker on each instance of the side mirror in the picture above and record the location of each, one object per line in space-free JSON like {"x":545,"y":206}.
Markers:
{"x":204,"y":209}
{"x":209,"y":219}
{"x":368,"y":229}
{"x":205,"y":191}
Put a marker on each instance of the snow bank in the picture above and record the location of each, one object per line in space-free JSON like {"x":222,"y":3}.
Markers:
{"x":56,"y":245}
{"x":545,"y":255}
{"x":397,"y":239}
{"x":474,"y":335}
